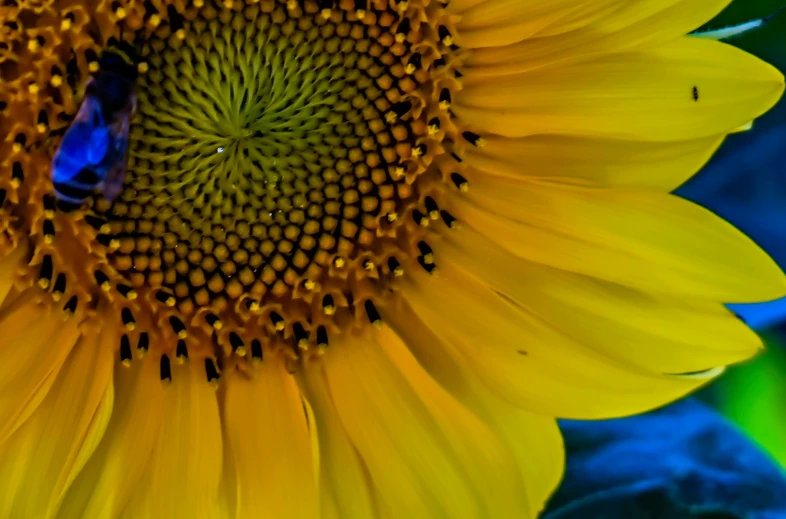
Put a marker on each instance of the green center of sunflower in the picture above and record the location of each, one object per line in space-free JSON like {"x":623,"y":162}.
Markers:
{"x":278,"y":174}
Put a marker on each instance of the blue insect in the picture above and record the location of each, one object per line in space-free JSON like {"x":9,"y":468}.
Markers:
{"x":92,"y":154}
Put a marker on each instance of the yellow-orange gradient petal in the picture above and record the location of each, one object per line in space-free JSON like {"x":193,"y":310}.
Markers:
{"x":620,"y":234}
{"x":106,"y":485}
{"x":44,"y":454}
{"x":635,"y":24}
{"x":422,"y":447}
{"x":501,"y":22}
{"x":526,"y":361}
{"x":657,"y":333}
{"x":9,"y":265}
{"x":593,"y":161}
{"x":518,"y":427}
{"x":346,"y":489}
{"x":186,"y":458}
{"x":36,"y":340}
{"x":269,"y":464}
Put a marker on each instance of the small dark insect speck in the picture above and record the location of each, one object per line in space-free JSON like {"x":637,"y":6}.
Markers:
{"x":521,"y":352}
{"x":696,"y":93}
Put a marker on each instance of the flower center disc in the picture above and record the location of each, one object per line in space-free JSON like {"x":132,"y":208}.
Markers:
{"x":277,"y":169}
{"x":262,"y":153}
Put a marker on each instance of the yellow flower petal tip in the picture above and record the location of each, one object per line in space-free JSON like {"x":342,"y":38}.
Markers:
{"x":702,"y":375}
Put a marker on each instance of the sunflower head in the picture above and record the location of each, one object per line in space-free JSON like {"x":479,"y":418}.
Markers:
{"x":399,"y":238}
{"x":281,"y":167}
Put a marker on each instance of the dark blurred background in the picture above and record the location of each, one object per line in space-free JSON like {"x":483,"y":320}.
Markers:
{"x":746,"y":184}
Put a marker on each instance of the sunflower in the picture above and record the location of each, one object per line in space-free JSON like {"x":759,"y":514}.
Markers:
{"x":365,"y":254}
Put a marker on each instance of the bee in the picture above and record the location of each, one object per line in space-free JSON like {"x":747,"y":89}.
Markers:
{"x":91,"y":156}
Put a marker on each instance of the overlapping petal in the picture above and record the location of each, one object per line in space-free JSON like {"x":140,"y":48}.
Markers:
{"x":618,"y":234}
{"x":635,"y":24}
{"x":36,"y":341}
{"x":654,"y":332}
{"x":269,"y":469}
{"x":46,"y":450}
{"x":529,"y":363}
{"x":592,"y":161}
{"x":427,"y":455}
{"x":682,"y":90}
{"x":501,"y":22}
{"x":111,"y":477}
{"x":518,"y":427}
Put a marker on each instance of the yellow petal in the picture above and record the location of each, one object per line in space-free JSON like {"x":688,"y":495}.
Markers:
{"x":183,"y":474}
{"x":345,"y":487}
{"x":266,"y":437}
{"x":686,"y":89}
{"x":35,"y":342}
{"x":44,"y":454}
{"x":427,"y":455}
{"x":541,"y":468}
{"x":636,"y":24}
{"x":650,"y":332}
{"x":650,"y":241}
{"x":594,"y":161}
{"x":8,"y":268}
{"x":525,"y":361}
{"x":459,"y":6}
{"x":502,"y":22}
{"x":536,"y":444}
{"x":109,"y":479}
{"x":744,"y":128}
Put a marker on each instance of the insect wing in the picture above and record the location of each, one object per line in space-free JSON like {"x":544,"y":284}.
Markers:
{"x":98,"y":146}
{"x":90,"y":108}
{"x":76,"y":148}
{"x":113,"y":183}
